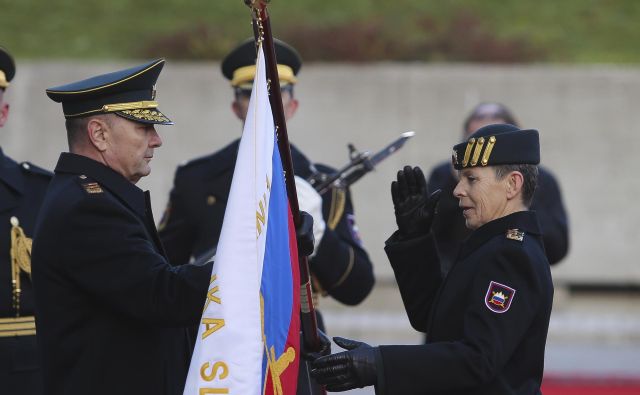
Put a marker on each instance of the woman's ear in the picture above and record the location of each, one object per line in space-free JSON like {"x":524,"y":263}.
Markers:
{"x":515,"y":180}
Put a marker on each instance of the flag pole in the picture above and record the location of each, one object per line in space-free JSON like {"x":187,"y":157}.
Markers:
{"x":263,"y":34}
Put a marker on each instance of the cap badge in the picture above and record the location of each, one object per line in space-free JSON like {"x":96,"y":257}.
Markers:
{"x":499,"y":297}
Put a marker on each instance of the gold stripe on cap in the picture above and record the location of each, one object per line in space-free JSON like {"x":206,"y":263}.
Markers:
{"x":134,"y":105}
{"x":467,"y":152}
{"x":487,"y":151}
{"x":3,"y":80}
{"x":246,"y":74}
{"x":477,"y":151}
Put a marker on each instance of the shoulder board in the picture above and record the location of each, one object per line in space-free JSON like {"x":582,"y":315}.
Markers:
{"x":31,"y":168}
{"x":90,"y":186}
{"x":515,"y":234}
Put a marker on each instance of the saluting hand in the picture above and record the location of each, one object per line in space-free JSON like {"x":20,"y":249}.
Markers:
{"x":414,"y":208}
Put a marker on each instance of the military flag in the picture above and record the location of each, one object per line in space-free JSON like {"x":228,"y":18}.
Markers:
{"x":249,"y":335}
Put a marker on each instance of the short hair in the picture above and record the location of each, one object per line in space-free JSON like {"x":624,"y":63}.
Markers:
{"x":529,"y":175}
{"x":490,"y":110}
{"x":77,"y":127}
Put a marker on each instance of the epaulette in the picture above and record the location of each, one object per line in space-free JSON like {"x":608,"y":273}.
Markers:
{"x":515,"y":234}
{"x":31,"y":168}
{"x":90,"y":186}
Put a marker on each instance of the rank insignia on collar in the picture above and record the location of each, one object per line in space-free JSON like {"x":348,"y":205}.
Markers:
{"x":499,"y":297}
{"x":515,"y":234}
{"x":92,"y":187}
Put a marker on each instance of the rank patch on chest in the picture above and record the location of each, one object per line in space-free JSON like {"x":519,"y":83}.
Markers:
{"x":499,"y":297}
{"x":92,"y":187}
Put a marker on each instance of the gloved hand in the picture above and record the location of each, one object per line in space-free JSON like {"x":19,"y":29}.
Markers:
{"x":310,"y":201}
{"x":304,"y":234}
{"x":414,"y":209}
{"x":355,"y":368}
{"x":325,"y":348}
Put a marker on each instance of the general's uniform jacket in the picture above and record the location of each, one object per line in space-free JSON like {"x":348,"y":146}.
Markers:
{"x":111,"y":312}
{"x":22,"y":188}
{"x":193,"y":219}
{"x":486,"y":322}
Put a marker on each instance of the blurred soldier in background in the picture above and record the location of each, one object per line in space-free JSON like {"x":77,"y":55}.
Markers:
{"x":448,"y":227}
{"x":22,"y":188}
{"x":191,"y":225}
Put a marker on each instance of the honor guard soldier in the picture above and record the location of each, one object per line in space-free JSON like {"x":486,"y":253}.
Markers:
{"x":487,"y":320}
{"x":22,"y":188}
{"x":112,"y":313}
{"x":193,"y":218}
{"x":191,"y":225}
{"x":449,"y":228}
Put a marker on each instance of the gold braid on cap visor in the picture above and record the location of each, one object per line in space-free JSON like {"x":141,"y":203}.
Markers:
{"x":3,"y":80}
{"x":246,"y":74}
{"x":114,"y":107}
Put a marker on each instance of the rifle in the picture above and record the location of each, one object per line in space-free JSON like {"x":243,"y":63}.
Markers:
{"x":360,"y":164}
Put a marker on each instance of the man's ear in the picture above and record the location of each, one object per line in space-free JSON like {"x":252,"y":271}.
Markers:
{"x":291,"y":108}
{"x":236,"y":108}
{"x":98,"y":133}
{"x":4,"y":113}
{"x":515,"y":180}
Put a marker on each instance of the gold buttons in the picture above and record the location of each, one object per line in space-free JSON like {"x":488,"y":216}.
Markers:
{"x":211,"y":200}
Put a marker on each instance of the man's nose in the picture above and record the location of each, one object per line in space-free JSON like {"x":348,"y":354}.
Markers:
{"x":156,"y":141}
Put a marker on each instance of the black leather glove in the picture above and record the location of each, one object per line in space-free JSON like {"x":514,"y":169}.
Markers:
{"x":355,"y":368}
{"x":414,"y":209}
{"x":325,"y":348}
{"x":304,"y":234}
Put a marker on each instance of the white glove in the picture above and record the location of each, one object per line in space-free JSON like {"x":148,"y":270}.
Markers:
{"x":310,"y":201}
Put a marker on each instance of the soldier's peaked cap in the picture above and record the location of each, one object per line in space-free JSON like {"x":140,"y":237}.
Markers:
{"x":129,"y":93}
{"x":239,"y":65}
{"x":498,"y":144}
{"x":7,"y":68}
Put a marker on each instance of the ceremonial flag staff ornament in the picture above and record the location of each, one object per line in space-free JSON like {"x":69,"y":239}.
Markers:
{"x":263,"y":34}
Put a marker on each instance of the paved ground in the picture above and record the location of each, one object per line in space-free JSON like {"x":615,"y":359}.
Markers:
{"x":590,"y":334}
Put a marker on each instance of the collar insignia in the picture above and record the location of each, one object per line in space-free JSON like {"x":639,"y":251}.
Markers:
{"x":92,"y":187}
{"x":515,"y":234}
{"x":499,"y":297}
